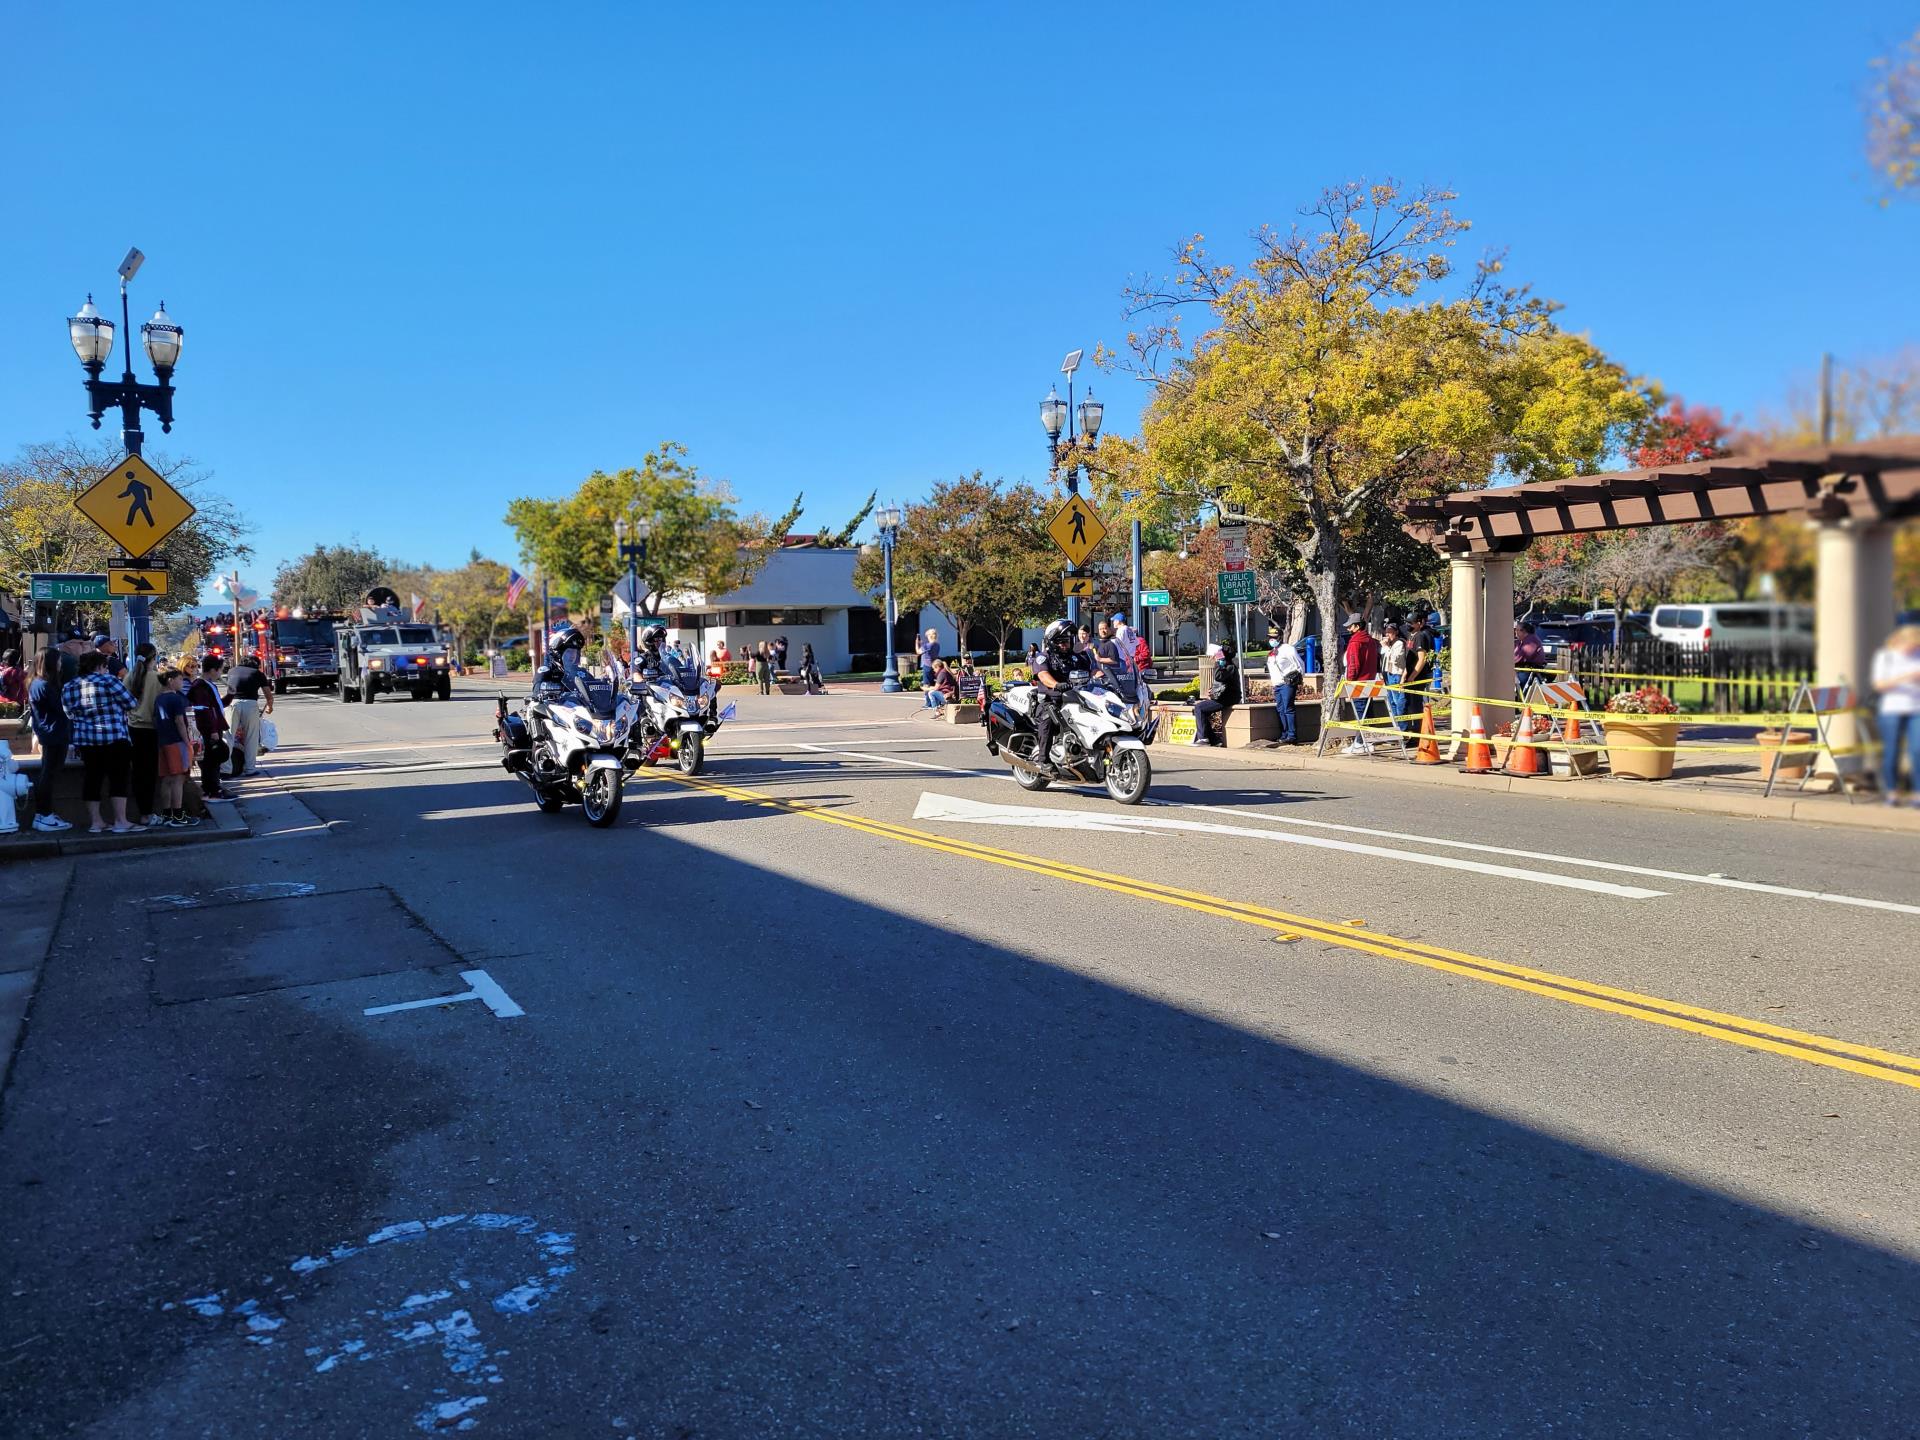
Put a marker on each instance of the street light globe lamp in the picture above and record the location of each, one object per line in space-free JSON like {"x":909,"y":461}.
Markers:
{"x":92,"y":336}
{"x":1053,"y":414}
{"x":163,"y":340}
{"x":1091,"y":412}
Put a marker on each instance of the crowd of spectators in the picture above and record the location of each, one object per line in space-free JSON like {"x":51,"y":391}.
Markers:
{"x":137,"y":731}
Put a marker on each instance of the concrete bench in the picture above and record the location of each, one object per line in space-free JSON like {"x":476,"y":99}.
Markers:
{"x":1246,"y":724}
{"x":966,"y":710}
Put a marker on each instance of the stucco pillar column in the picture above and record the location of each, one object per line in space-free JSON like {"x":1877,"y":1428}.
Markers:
{"x":1496,"y":640}
{"x":1466,"y":674}
{"x":1852,"y":615}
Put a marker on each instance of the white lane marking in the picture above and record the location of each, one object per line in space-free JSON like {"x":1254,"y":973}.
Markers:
{"x":1617,"y":867}
{"x":485,"y":989}
{"x":893,"y":760}
{"x":953,"y":809}
{"x":301,"y":753}
{"x":1650,"y":872}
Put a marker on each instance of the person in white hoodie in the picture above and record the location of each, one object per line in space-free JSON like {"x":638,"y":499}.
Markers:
{"x":1286,"y":672}
{"x":1896,"y":682}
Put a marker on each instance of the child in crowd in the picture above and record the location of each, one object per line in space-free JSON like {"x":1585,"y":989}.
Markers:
{"x":175,"y":740}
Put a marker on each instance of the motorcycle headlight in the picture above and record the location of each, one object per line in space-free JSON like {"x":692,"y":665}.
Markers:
{"x":585,"y":727}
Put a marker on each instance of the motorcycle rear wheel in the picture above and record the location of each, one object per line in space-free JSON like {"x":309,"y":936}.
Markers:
{"x":1026,"y":747}
{"x":549,"y":801}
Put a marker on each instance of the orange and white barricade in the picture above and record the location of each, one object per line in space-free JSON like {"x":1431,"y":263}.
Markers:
{"x":1566,"y":695}
{"x":1818,"y":705}
{"x":1359,"y":696}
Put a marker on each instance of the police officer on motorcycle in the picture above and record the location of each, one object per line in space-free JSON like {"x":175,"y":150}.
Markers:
{"x":651,"y":662}
{"x":1053,"y":671}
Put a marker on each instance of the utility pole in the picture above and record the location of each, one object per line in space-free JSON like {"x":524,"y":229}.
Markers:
{"x":1137,"y":614}
{"x":1826,"y":398}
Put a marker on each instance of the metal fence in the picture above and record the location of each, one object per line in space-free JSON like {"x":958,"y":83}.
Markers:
{"x":1716,"y":681}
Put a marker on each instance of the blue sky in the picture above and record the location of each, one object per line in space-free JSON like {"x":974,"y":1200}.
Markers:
{"x":433,"y":256}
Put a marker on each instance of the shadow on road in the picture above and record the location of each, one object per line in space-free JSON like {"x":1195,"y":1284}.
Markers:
{"x":839,"y":1166}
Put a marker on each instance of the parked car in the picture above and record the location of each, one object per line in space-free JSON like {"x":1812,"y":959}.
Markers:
{"x":1740,"y":625}
{"x":1564,"y":637}
{"x":1607,"y":615}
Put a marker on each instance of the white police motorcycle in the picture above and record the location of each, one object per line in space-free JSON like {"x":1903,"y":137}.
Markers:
{"x":1101,"y":737}
{"x":571,"y":740}
{"x":680,"y":709}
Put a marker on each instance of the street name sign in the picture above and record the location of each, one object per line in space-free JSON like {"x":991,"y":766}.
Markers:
{"x":70,"y":589}
{"x":1155,"y":599}
{"x":1076,"y":530}
{"x":1081,"y":585}
{"x":1236,"y":587}
{"x":125,"y":579}
{"x":134,"y":506}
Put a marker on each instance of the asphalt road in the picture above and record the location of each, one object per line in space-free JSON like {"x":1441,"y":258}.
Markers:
{"x":853,"y":1091}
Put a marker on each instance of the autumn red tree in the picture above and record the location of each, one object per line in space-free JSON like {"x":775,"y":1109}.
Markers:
{"x":1678,"y":434}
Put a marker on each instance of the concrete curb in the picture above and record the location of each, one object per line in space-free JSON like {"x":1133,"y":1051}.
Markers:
{"x":77,"y":842}
{"x":26,"y":957}
{"x":1661,"y":795}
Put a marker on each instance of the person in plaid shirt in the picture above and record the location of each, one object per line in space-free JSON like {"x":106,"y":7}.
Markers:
{"x":97,"y":706}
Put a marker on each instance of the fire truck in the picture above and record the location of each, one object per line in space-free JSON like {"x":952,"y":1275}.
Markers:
{"x":302,"y":650}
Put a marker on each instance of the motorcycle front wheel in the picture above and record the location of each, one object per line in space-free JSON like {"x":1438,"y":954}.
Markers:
{"x":600,"y":796}
{"x":692,"y":756}
{"x":1128,"y":774}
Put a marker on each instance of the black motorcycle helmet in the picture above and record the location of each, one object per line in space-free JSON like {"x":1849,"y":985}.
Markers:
{"x":1059,"y":637}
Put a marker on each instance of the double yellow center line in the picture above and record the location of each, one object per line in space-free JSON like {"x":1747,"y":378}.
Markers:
{"x":1866,"y":1060}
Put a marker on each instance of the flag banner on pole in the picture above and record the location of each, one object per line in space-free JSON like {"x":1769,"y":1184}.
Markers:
{"x":419,"y":605}
{"x":516,"y":587}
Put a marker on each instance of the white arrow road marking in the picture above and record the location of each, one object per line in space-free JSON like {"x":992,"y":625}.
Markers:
{"x":954,"y":810}
{"x":485,"y":988}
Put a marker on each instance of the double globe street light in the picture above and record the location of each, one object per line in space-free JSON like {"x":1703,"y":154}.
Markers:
{"x":92,"y":336}
{"x":634,"y":552}
{"x":1066,"y":447}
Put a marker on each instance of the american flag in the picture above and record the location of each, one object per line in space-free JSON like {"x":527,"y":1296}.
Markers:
{"x":516,"y":587}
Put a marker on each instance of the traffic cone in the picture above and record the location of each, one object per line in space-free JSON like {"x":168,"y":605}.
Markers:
{"x":1479,"y":752}
{"x":1428,"y":752}
{"x":1524,"y":757}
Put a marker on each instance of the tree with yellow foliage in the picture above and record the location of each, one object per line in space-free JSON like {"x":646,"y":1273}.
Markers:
{"x":1344,"y":369}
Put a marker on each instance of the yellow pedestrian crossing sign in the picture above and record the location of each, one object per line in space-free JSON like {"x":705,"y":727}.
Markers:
{"x":135,"y":506}
{"x":1076,"y":530}
{"x":1081,"y":585}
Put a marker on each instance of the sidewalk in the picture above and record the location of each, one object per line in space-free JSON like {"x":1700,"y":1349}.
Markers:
{"x":1711,"y":794}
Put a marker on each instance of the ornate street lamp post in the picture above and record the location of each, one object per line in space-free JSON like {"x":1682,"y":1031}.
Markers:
{"x":889,"y":520}
{"x":92,"y":337}
{"x":634,"y":552}
{"x":1066,"y":447}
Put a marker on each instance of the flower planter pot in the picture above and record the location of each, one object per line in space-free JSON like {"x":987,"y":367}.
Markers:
{"x":1638,"y":730}
{"x":1792,"y":766}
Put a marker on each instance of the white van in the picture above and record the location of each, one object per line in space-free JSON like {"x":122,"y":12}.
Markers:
{"x":1738,"y":625}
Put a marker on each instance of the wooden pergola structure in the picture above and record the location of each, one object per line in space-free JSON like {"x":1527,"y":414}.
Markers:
{"x":1873,"y":483}
{"x":1856,"y":495}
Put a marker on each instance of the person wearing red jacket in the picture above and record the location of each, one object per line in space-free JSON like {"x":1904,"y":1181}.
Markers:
{"x":1362,"y":663}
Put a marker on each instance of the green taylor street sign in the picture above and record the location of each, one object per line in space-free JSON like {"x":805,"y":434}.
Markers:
{"x":70,"y":589}
{"x":1236,"y":587}
{"x":1155,"y":599}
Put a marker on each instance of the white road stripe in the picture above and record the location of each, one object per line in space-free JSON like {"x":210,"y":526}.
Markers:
{"x":893,"y":760}
{"x":1648,"y":872}
{"x":1720,"y":881}
{"x":953,"y":809}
